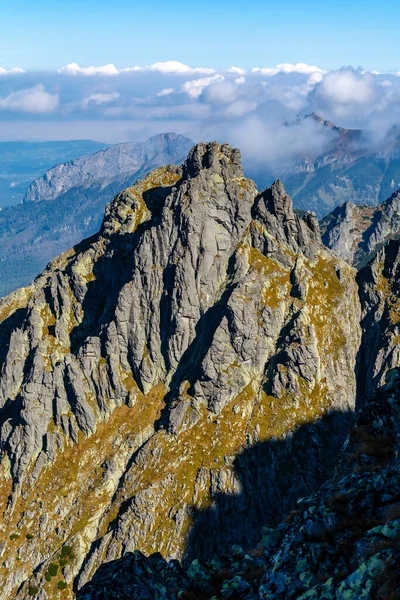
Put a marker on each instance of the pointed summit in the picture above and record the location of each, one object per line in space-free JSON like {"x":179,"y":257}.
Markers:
{"x":214,"y":157}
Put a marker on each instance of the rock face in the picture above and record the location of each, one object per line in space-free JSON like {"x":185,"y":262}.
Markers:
{"x":357,"y":232}
{"x":339,"y":543}
{"x":67,"y":204}
{"x":379,"y":287}
{"x":189,"y":369}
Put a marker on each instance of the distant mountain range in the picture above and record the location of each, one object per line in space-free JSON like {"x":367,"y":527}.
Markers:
{"x":112,"y":165}
{"x":356,"y":167}
{"x":67,"y":202}
{"x":21,"y":162}
{"x":73,"y":196}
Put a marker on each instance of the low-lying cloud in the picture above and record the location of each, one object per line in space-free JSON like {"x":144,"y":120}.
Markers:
{"x":260,"y":109}
{"x":34,"y":100}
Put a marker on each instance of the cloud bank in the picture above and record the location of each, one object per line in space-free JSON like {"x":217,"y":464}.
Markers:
{"x":34,"y":100}
{"x":260,"y":109}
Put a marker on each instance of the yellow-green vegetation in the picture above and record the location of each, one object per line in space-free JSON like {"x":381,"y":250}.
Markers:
{"x":325,"y":293}
{"x":16,"y":300}
{"x":275,"y":417}
{"x":77,"y":474}
{"x":33,"y":590}
{"x":177,"y":460}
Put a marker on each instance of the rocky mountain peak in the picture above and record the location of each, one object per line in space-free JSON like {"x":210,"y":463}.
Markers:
{"x":184,"y":360}
{"x":274,"y":208}
{"x":214,"y":157}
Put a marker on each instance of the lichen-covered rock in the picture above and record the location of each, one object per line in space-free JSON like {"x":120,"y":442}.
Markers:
{"x":189,"y":368}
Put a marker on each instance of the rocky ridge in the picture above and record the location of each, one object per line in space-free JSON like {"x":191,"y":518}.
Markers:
{"x":153,"y":378}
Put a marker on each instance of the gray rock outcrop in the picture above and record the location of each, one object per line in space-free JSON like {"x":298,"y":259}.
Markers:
{"x":357,"y":232}
{"x":203,"y":319}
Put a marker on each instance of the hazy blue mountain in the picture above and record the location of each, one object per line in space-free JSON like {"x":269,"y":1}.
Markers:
{"x":33,"y":233}
{"x":355,"y":168}
{"x":21,"y":162}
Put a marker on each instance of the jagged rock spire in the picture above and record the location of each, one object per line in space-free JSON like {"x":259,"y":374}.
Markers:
{"x":214,"y":157}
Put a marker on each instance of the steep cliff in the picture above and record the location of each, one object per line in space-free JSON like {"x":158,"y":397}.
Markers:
{"x":153,"y":378}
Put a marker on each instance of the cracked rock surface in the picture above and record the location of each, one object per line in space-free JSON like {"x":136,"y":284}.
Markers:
{"x":191,"y":368}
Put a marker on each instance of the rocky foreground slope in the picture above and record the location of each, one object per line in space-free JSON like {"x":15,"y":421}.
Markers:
{"x":177,"y":382}
{"x":340,"y":543}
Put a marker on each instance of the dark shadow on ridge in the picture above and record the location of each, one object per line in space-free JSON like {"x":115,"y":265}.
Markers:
{"x":273,"y":476}
{"x":112,"y":271}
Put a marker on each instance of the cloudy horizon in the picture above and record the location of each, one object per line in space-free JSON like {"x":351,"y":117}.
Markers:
{"x":249,"y":108}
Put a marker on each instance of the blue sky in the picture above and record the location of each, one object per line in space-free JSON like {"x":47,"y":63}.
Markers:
{"x":123,"y":70}
{"x":45,"y":35}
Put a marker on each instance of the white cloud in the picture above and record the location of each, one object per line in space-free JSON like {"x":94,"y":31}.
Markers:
{"x":166,"y":92}
{"x":100,"y":98}
{"x":346,"y":91}
{"x":75,"y":69}
{"x":237,"y":71}
{"x":301,"y":68}
{"x":169,"y":67}
{"x":203,"y":103}
{"x":223,"y":92}
{"x":195,"y":87}
{"x":13,"y":71}
{"x":31,"y":100}
{"x":240,"y":107}
{"x":295,"y":96}
{"x":172,"y":67}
